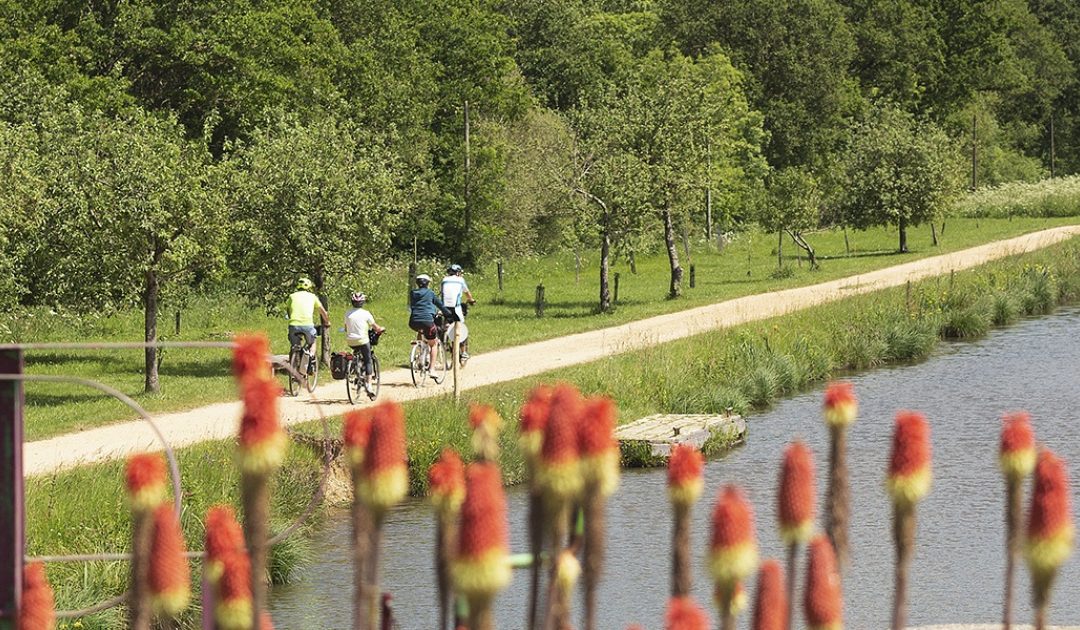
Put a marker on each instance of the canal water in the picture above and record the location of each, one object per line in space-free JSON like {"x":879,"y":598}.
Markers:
{"x":957,"y":569}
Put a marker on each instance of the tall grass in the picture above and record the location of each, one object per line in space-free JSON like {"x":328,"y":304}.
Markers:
{"x":1058,"y":197}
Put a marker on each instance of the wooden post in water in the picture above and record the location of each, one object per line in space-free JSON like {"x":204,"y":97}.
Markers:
{"x":692,"y":277}
{"x":12,"y":522}
{"x":616,"y":300}
{"x":540,"y":300}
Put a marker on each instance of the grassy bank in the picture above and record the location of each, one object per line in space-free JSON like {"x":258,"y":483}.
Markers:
{"x":1057,"y":197}
{"x":744,"y":368}
{"x":195,"y":377}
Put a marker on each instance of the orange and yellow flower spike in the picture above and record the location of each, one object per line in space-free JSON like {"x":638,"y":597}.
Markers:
{"x":446,"y":482}
{"x":733,"y":548}
{"x":145,"y":479}
{"x":233,"y":604}
{"x":170,"y":576}
{"x":598,"y":446}
{"x":386,"y":474}
{"x":223,"y":536}
{"x":1050,"y":530}
{"x":798,"y":494}
{"x":533,"y":420}
{"x":558,"y":471}
{"x":250,"y":357}
{"x":909,"y":466}
{"x":38,"y":609}
{"x":356,"y":431}
{"x":684,"y":480}
{"x":770,"y":602}
{"x":1017,"y":454}
{"x":263,"y":443}
{"x":823,"y":602}
{"x":486,"y":424}
{"x":841,"y":406}
{"x":482,"y":566}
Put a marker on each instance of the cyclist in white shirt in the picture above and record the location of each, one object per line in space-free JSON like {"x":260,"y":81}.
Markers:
{"x":358,"y":321}
{"x":453,"y":290}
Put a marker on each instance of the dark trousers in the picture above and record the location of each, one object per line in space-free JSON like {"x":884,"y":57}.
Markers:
{"x":365,"y":356}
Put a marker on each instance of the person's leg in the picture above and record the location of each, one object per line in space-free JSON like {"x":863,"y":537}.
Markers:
{"x":365,"y":355}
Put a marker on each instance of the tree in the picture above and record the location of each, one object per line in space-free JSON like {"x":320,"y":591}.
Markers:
{"x":128,"y":212}
{"x":310,"y":200}
{"x":898,"y":170}
{"x":792,"y":205}
{"x":668,"y":116}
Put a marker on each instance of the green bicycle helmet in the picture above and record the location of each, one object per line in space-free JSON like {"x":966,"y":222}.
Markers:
{"x":304,"y":284}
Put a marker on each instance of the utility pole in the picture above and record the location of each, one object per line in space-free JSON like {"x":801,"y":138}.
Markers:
{"x":468,"y":168}
{"x":1052,"y":156}
{"x":708,"y":191}
{"x":974,"y":152}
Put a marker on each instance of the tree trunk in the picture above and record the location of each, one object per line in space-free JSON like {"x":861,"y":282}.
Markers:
{"x":319,"y":279}
{"x":605,"y":268}
{"x":933,"y":233}
{"x":903,"y":235}
{"x":150,"y":311}
{"x":779,"y":249}
{"x":798,"y":239}
{"x":673,"y":256}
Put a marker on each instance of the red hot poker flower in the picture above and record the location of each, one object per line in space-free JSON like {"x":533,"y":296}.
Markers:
{"x":533,"y":420}
{"x":250,"y":356}
{"x":1017,"y":454}
{"x":38,"y":611}
{"x":170,"y":577}
{"x":262,"y":441}
{"x":684,"y":469}
{"x":223,"y":536}
{"x":485,"y":423}
{"x":841,"y":406}
{"x":558,"y":471}
{"x":823,"y":599}
{"x":385,"y":480}
{"x":482,"y":566}
{"x":598,"y":446}
{"x":356,"y":431}
{"x":446,"y":479}
{"x":683,"y":613}
{"x":797,"y":496}
{"x":1050,"y":527}
{"x":145,"y":479}
{"x":233,"y":606}
{"x":909,"y":465}
{"x":733,"y":550}
{"x":770,"y":604}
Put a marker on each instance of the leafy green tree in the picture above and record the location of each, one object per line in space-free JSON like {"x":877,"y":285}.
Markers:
{"x":793,"y":205}
{"x":21,"y":189}
{"x":898,"y":170}
{"x":312,"y":200}
{"x":796,"y":55}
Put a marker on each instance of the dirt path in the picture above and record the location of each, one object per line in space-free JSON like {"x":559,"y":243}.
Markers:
{"x":219,"y":421}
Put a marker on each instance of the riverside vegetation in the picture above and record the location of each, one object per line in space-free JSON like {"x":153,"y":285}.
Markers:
{"x":744,"y":368}
{"x":193,"y":377}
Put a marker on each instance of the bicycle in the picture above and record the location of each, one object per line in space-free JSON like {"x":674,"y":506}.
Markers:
{"x":419,"y":360}
{"x":355,"y":381}
{"x":447,"y":335}
{"x":304,"y":364}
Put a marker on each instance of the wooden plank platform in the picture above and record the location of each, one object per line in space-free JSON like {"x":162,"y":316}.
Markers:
{"x":648,"y":441}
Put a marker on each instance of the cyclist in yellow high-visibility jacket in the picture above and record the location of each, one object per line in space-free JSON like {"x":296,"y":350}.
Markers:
{"x":300,"y":310}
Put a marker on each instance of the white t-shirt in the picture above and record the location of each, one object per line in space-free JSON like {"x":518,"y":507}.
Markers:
{"x":453,"y":287}
{"x":357,"y":323}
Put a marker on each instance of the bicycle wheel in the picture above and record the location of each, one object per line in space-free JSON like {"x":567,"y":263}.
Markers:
{"x":352,"y":381}
{"x":439,"y":367}
{"x":375,"y":377}
{"x":294,"y":362}
{"x":416,"y":363}
{"x":313,"y":376}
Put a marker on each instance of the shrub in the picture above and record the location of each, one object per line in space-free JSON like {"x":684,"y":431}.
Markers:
{"x":1005,"y":309}
{"x":965,"y":323}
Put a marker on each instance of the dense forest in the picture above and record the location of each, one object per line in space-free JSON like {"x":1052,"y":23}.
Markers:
{"x":155,"y":147}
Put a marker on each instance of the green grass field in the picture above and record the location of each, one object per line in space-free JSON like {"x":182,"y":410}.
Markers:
{"x":191,"y":378}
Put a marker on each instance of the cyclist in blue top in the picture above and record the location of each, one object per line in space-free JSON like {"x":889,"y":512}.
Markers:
{"x":423,"y":305}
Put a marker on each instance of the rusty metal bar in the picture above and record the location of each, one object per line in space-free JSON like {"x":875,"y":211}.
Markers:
{"x":12,"y":524}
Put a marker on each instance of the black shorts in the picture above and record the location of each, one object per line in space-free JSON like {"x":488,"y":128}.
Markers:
{"x":428,"y":329}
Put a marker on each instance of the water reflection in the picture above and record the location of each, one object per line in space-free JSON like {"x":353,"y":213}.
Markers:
{"x":957,"y":569}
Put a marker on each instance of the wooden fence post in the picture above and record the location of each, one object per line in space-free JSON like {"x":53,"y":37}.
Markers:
{"x":499,"y":267}
{"x":177,"y":323}
{"x":409,"y":281}
{"x":616,"y":300}
{"x":12,"y":521}
{"x":693,"y":279}
{"x":540,"y":300}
